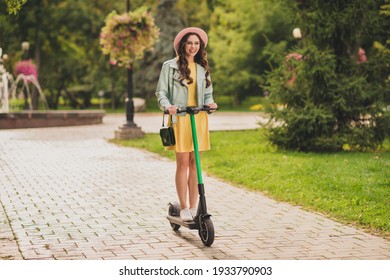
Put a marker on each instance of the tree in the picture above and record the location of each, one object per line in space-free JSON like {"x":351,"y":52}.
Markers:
{"x":239,"y":34}
{"x":13,"y":6}
{"x":385,"y":10}
{"x":64,"y":40}
{"x":195,"y":12}
{"x":147,"y":71}
{"x":332,"y":98}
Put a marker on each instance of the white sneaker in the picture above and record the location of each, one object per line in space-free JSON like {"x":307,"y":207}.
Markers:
{"x":185,"y":215}
{"x":193,"y":212}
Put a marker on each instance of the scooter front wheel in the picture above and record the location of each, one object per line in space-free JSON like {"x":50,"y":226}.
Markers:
{"x":174,"y":210}
{"x":206,"y":231}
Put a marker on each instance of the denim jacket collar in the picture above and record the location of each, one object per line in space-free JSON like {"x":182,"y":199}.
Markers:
{"x":200,"y":71}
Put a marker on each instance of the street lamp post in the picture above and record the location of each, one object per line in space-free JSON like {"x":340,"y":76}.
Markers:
{"x":129,"y":99}
{"x":129,"y":129}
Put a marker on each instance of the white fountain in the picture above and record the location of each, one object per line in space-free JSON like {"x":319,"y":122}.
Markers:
{"x":11,"y":117}
{"x":27,"y":79}
{"x":4,"y":108}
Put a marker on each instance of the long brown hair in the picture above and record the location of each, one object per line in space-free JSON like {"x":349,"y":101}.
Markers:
{"x":200,"y":58}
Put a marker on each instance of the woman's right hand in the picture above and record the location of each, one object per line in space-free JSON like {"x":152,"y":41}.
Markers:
{"x":172,"y":109}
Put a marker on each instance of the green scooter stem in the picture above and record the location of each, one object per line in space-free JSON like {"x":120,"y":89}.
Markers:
{"x":202,"y":208}
{"x":196,"y":149}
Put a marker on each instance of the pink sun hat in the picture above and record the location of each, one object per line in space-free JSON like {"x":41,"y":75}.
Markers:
{"x":200,"y":32}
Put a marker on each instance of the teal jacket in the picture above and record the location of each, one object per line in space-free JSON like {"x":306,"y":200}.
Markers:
{"x":169,"y":78}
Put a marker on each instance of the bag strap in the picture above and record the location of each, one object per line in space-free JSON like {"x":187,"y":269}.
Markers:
{"x":163,"y":120}
{"x":169,"y":92}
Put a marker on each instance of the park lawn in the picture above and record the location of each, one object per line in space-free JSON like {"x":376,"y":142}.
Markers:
{"x":351,"y":187}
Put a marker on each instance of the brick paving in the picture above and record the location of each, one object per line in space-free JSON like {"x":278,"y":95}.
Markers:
{"x":67,"y":193}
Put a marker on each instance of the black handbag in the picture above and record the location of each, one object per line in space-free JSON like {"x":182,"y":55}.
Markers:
{"x":167,"y":133}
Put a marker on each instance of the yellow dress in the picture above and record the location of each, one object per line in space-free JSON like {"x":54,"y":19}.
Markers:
{"x":182,"y":127}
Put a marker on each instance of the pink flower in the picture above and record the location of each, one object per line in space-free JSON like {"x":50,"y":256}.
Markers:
{"x":298,"y":57}
{"x":294,"y":55}
{"x":362,"y":56}
{"x":26,"y":67}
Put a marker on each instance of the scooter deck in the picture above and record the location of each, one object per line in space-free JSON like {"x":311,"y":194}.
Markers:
{"x":176,"y":220}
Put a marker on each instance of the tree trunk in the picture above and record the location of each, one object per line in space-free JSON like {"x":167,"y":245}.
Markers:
{"x":73,"y":99}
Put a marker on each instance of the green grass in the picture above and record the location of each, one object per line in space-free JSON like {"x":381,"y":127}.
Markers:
{"x":226,"y":103}
{"x":350,"y":187}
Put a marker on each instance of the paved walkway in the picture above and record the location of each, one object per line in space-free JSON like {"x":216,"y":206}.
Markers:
{"x":66,"y":193}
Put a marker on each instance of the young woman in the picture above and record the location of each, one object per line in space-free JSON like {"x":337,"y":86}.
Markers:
{"x":185,"y":81}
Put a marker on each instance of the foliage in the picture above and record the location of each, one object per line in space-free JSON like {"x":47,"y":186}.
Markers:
{"x":13,"y":6}
{"x":195,"y":12}
{"x":385,"y":10}
{"x":147,"y":70}
{"x":64,"y":43}
{"x":330,"y":100}
{"x":349,"y":186}
{"x":239,"y":34}
{"x":127,"y":36}
{"x":247,"y":38}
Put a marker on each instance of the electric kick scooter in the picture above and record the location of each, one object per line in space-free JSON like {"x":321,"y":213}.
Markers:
{"x":202,"y":221}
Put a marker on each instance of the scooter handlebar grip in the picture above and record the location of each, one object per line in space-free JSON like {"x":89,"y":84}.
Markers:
{"x":209,"y":110}
{"x":193,"y":110}
{"x":178,"y":111}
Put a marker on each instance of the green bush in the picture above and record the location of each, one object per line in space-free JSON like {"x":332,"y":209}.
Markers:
{"x":323,"y":97}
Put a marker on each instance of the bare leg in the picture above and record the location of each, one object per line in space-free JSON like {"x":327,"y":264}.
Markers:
{"x":193,"y":181}
{"x":182,"y":164}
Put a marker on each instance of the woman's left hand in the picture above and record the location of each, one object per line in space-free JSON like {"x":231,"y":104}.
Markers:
{"x":212,"y":106}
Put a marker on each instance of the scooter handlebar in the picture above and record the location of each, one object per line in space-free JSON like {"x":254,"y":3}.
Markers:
{"x":194,"y":110}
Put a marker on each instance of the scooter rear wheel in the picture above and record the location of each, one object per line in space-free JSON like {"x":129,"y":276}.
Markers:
{"x":175,"y":227}
{"x":206,"y":231}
